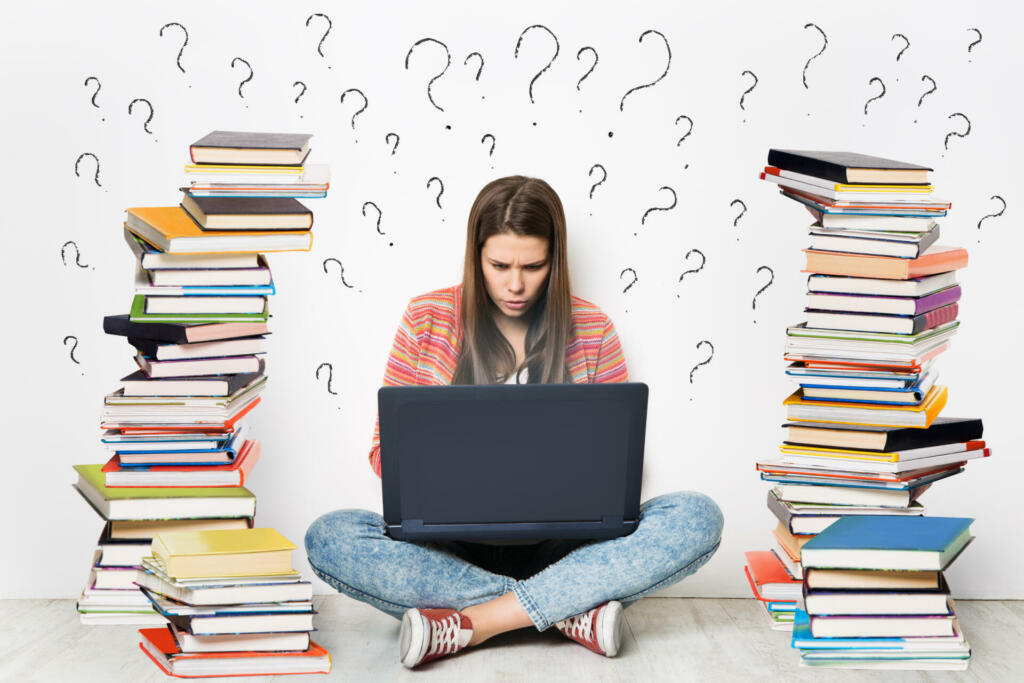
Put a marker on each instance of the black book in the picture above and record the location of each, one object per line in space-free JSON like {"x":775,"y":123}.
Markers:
{"x":180,"y":333}
{"x":944,"y":430}
{"x":849,"y":167}
{"x":243,"y":147}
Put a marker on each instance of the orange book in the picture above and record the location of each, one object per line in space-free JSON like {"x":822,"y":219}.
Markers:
{"x":171,"y":230}
{"x":765,"y":573}
{"x":160,"y":646}
{"x":937,"y":259}
{"x":871,"y":414}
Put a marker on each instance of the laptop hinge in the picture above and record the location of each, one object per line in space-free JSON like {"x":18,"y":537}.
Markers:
{"x":612,"y":520}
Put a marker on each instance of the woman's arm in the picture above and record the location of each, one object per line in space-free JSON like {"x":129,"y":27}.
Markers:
{"x":611,"y":364}
{"x":400,"y":371}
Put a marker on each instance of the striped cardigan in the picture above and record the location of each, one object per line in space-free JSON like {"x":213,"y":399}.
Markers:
{"x":429,"y":338}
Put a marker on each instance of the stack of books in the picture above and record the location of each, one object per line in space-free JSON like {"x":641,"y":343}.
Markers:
{"x":864,"y":436}
{"x":180,"y":449}
{"x":234,"y":605}
{"x":875,"y":596}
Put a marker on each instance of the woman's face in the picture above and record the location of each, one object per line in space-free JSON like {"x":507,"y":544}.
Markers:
{"x":515,"y":269}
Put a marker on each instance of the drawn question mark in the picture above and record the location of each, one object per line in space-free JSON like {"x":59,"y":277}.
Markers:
{"x":548,"y":66}
{"x":447,"y":63}
{"x":182,"y":48}
{"x":73,"y":347}
{"x":900,"y":53}
{"x":876,"y":97}
{"x":320,"y":45}
{"x":491,"y":152}
{"x":816,"y":54}
{"x":687,"y":134}
{"x":668,"y":64}
{"x":366,"y":103}
{"x":945,"y":143}
{"x":96,"y":177}
{"x":438,"y":198}
{"x":301,"y":92}
{"x":771,"y":279}
{"x":145,"y":126}
{"x":593,"y":65}
{"x":926,"y":92}
{"x":78,"y":254}
{"x":703,"y":260}
{"x":330,"y":376}
{"x":380,"y":215}
{"x":341,"y":270}
{"x":971,"y":46}
{"x":479,"y":69}
{"x":992,"y":215}
{"x":671,"y":206}
{"x":244,"y":80}
{"x":703,"y":362}
{"x":745,"y":92}
{"x":635,"y":278}
{"x":387,"y":139}
{"x":740,"y":214}
{"x":98,"y":86}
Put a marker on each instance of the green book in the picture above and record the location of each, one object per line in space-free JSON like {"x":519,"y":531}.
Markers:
{"x":138,"y":315}
{"x":128,"y":503}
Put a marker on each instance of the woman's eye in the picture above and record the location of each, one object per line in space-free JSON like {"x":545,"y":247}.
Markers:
{"x":499,"y":266}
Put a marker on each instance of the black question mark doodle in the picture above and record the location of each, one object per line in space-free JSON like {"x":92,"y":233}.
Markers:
{"x":73,"y":347}
{"x":816,"y":54}
{"x":388,"y":138}
{"x":96,"y":177}
{"x":478,"y":69}
{"x":690,"y":130}
{"x":992,"y":215}
{"x":671,"y":206}
{"x":926,"y":92}
{"x":380,"y":215}
{"x":341,"y":269}
{"x":78,"y":254}
{"x":740,"y":214}
{"x":876,"y":97}
{"x":771,"y":275}
{"x":330,"y":376}
{"x":748,"y":90}
{"x":447,"y":63}
{"x":488,"y":135}
{"x":145,"y":126}
{"x":245,"y":80}
{"x":302,"y":92}
{"x":441,"y":183}
{"x":971,"y":46}
{"x":945,"y":143}
{"x":98,"y":86}
{"x":905,"y":39}
{"x":590,"y":70}
{"x":366,"y":103}
{"x":703,"y":260}
{"x":182,"y":48}
{"x":668,"y":64}
{"x":537,"y":75}
{"x":635,"y":278}
{"x":604,"y":177}
{"x":704,"y":362}
{"x":320,"y":45}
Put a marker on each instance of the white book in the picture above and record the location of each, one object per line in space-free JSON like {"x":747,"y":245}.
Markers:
{"x":196,"y":367}
{"x":881,"y":626}
{"x":149,"y":257}
{"x":205,"y":304}
{"x":792,"y":566}
{"x":882,"y":602}
{"x":240,"y":642}
{"x":898,"y":467}
{"x":863,"y":304}
{"x":213,"y":175}
{"x":842,"y":284}
{"x":841,"y":221}
{"x":145,"y":284}
{"x":242,"y":346}
{"x":860,"y":245}
{"x":843,"y":495}
{"x":222,"y":277}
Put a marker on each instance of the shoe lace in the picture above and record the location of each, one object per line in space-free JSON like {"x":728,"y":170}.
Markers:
{"x":579,"y":626}
{"x":444,"y":635}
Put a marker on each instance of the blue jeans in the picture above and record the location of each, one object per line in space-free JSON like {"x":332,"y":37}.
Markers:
{"x":553,"y":580}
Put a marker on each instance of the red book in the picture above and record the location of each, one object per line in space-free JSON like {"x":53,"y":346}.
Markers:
{"x":768,"y":579}
{"x":160,"y":646}
{"x":179,"y":476}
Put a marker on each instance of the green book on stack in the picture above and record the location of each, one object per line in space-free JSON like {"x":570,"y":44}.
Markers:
{"x":138,"y":314}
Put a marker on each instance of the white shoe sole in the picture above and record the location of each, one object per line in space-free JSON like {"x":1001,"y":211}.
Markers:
{"x":609,"y":628}
{"x":412,"y":641}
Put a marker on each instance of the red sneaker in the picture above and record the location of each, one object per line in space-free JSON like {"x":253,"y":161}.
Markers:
{"x":431,"y":633}
{"x":599,"y":629}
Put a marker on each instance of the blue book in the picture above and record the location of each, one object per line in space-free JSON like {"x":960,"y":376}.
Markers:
{"x":888,"y":542}
{"x":802,"y":639}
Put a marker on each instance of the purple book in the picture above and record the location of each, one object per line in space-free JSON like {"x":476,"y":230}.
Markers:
{"x":872,"y":303}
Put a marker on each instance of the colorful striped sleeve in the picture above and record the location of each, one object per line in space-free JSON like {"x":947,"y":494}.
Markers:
{"x":400,"y":371}
{"x":611,"y":364}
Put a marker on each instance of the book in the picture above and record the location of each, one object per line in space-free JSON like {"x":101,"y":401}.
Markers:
{"x":145,"y":529}
{"x":842,"y":377}
{"x":912,"y":395}
{"x":222,"y":622}
{"x":873,"y":303}
{"x":144,"y":285}
{"x":203,"y":305}
{"x":889,"y":625}
{"x":181,"y":332}
{"x":858,"y":463}
{"x":912,"y":194}
{"x":872,"y":579}
{"x":232,"y":474}
{"x":936,"y":209}
{"x":846,"y":221}
{"x":882,"y":322}
{"x":822,"y":183}
{"x":823,"y":601}
{"x":938,"y":259}
{"x":194,"y":367}
{"x":878,"y":246}
{"x":161,"y":503}
{"x":847,"y":495}
{"x":240,"y":642}
{"x":187,"y":278}
{"x":883,"y":415}
{"x":848,"y":167}
{"x":139,"y":383}
{"x":177,"y":418}
{"x":244,"y":147}
{"x":802,"y":518}
{"x":768,"y":577}
{"x":142,"y":305}
{"x":172,"y":230}
{"x":803,"y":639}
{"x":216,"y":176}
{"x":240,"y":346}
{"x":247,"y":213}
{"x":241,"y":552}
{"x":151,"y":258}
{"x":913,"y":287}
{"x":888,"y":542}
{"x":943,"y":430}
{"x":160,"y":646}
{"x":223,"y":591}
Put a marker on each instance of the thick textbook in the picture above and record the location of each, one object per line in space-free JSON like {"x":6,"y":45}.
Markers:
{"x":938,"y":259}
{"x":943,"y":430}
{"x":245,"y":147}
{"x":237,"y":552}
{"x":848,"y":167}
{"x":888,"y":542}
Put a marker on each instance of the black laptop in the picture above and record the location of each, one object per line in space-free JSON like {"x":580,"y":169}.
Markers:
{"x":506,"y":461}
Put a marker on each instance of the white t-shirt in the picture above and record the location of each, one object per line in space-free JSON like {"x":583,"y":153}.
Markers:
{"x":524,"y":375}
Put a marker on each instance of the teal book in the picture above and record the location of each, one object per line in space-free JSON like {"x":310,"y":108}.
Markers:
{"x":888,"y":542}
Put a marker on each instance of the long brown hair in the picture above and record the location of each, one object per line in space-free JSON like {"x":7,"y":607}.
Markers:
{"x":526,"y":207}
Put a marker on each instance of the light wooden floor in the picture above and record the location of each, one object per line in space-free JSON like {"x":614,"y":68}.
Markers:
{"x":664,"y":639}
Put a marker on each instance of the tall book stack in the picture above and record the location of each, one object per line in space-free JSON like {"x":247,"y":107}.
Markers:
{"x":864,"y":436}
{"x":234,"y":605}
{"x":180,"y":448}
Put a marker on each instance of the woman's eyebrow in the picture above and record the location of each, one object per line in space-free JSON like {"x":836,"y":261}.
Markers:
{"x":503,"y":263}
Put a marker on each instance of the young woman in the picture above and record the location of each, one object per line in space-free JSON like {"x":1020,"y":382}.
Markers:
{"x":513,"y":319}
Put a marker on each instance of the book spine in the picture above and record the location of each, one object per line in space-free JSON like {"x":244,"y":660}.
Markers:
{"x":940,"y":316}
{"x":937,"y":300}
{"x":812,"y":167}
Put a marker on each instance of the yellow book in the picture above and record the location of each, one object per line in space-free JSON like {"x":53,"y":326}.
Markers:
{"x":871,"y":414}
{"x":171,"y":230}
{"x":224,"y":553}
{"x":872,"y":456}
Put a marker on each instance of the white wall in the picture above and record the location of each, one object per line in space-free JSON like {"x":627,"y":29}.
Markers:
{"x":705,"y":435}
